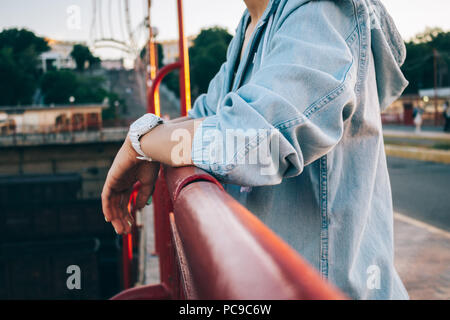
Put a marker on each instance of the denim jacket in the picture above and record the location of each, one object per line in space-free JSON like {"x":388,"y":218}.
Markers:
{"x":295,"y":134}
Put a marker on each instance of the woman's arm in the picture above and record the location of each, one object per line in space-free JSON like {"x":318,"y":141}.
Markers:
{"x":169,"y":143}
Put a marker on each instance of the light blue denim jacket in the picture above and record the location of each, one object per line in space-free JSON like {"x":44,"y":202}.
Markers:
{"x":310,"y":88}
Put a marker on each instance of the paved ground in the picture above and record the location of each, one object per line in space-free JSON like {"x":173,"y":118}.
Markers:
{"x":421,"y":194}
{"x":397,"y":127}
{"x":421,"y":190}
{"x":151,"y":261}
{"x":422,"y":258}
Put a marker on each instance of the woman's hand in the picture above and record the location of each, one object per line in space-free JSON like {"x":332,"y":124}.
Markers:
{"x":125,"y":171}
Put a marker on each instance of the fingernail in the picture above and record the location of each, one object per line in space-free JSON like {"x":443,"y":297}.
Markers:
{"x":106,"y":219}
{"x":129,"y":223}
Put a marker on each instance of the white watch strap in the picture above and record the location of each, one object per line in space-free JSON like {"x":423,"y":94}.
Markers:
{"x":140,"y":127}
{"x":137,"y":148}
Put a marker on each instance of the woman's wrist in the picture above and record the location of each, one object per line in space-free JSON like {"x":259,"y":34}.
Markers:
{"x":130,"y":151}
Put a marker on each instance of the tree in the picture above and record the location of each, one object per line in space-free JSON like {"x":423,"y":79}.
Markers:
{"x":21,"y":40}
{"x":82,"y":55}
{"x":205,"y":58}
{"x":19,"y":52}
{"x":419,"y":64}
{"x":58,"y":86}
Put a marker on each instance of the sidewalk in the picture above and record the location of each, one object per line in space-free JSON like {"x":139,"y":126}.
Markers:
{"x":422,"y":258}
{"x":408,"y":132}
{"x":431,"y":144}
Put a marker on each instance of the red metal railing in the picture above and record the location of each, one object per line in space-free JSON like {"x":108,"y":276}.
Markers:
{"x":211,"y":247}
{"x":128,"y":242}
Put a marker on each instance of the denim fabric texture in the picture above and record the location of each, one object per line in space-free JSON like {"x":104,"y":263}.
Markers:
{"x":310,"y":88}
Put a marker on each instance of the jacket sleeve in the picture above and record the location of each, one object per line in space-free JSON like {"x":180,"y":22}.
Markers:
{"x":292,"y":111}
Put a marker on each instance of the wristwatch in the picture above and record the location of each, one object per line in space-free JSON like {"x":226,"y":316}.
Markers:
{"x":140,"y":127}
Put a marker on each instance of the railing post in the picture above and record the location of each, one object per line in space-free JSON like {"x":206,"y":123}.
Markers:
{"x":127,"y":242}
{"x":153,"y":104}
{"x":163,"y":242}
{"x":161,"y":199}
{"x":185,"y":82}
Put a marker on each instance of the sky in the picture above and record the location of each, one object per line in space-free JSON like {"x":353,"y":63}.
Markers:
{"x":73,"y":19}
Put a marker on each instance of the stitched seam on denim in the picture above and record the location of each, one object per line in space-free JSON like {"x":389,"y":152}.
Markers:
{"x":362,"y":48}
{"x":326,"y":99}
{"x":324,"y":217}
{"x":352,"y":37}
{"x":315,"y":107}
{"x":318,"y":104}
{"x":252,"y":144}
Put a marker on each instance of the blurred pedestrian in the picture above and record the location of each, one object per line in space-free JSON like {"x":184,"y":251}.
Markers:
{"x":417,"y":114}
{"x":447,"y":116}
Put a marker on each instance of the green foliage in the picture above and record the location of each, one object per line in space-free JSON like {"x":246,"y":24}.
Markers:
{"x":160,"y":55}
{"x":90,"y":89}
{"x":81,"y":54}
{"x":21,"y":40}
{"x":19,"y":52}
{"x":419,"y":64}
{"x":111,"y":111}
{"x":172,"y":82}
{"x":20,"y":75}
{"x":206,"y":56}
{"x":58,"y":86}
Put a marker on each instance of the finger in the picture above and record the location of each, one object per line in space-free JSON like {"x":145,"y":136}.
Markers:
{"x":127,"y":224}
{"x":106,"y":203}
{"x":118,"y":226}
{"x":124,"y":201}
{"x":115,"y":206}
{"x":145,"y":191}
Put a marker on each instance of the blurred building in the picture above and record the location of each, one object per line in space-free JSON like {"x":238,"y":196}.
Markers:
{"x":58,"y":57}
{"x":61,"y":118}
{"x":430,"y":100}
{"x":112,"y":64}
{"x":170,"y":49}
{"x":53,"y":164}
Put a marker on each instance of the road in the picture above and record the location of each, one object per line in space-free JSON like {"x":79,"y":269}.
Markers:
{"x":421,"y":190}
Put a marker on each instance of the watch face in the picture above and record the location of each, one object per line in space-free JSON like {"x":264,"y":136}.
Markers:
{"x":145,"y":123}
{"x":141,"y":122}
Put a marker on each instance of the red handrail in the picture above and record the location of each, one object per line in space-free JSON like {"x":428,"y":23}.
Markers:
{"x":214,"y":248}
